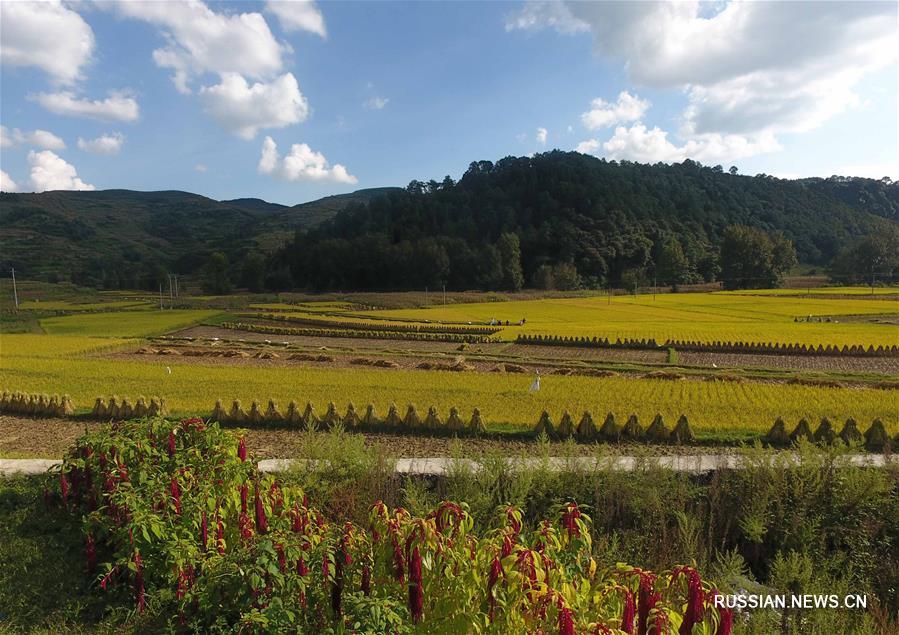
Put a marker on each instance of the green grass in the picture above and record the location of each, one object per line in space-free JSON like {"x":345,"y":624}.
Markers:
{"x":63,"y":305}
{"x":130,"y":324}
{"x":43,"y":585}
{"x":702,"y":317}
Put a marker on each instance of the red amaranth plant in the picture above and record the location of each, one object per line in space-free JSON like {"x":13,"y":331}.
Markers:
{"x":139,"y":591}
{"x":566,"y":620}
{"x":261,"y":520}
{"x":175,"y":491}
{"x":628,"y":612}
{"x":416,"y":590}
{"x":242,"y":449}
{"x":170,"y":447}
{"x":90,"y":552}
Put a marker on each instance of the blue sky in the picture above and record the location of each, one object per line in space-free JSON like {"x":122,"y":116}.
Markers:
{"x":292,"y":101}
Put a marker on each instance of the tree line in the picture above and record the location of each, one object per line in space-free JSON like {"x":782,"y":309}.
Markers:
{"x":563,"y":220}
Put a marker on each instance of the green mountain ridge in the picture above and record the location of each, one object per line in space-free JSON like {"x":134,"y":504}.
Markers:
{"x":131,"y":238}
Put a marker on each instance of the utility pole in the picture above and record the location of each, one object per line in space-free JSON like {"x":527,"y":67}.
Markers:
{"x":426,"y":296}
{"x":610,"y":293}
{"x":15,"y":293}
{"x":444,"y":295}
{"x":160,"y":296}
{"x":171,"y":293}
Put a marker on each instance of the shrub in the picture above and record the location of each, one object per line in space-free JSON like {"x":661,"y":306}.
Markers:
{"x":192,"y":537}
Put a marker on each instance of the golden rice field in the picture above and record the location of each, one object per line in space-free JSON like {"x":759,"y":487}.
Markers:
{"x":714,"y":408}
{"x":66,"y":305}
{"x":704,"y":317}
{"x":876,"y":291}
{"x":66,"y":360}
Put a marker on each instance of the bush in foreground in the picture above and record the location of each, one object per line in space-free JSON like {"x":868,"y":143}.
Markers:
{"x":178,"y":524}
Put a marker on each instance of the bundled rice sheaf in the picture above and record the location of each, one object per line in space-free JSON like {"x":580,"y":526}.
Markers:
{"x":586,"y":427}
{"x":351,"y":419}
{"x":514,"y":368}
{"x":370,"y":418}
{"x":777,"y":435}
{"x":610,"y":430}
{"x":255,"y":416}
{"x":850,"y":433}
{"x":454,"y":421}
{"x":66,"y":408}
{"x":126,"y":410}
{"x":566,"y":426}
{"x":332,"y":417}
{"x":141,"y":408}
{"x":385,"y":363}
{"x":112,"y":407}
{"x":596,"y":372}
{"x":433,"y":421}
{"x":393,"y":417}
{"x":100,"y":411}
{"x":632,"y":429}
{"x":362,"y":361}
{"x":272,"y":414}
{"x":682,"y":432}
{"x":545,"y":426}
{"x":412,"y":420}
{"x":237,"y":415}
{"x":309,"y":420}
{"x":876,"y":437}
{"x":665,"y":374}
{"x":657,"y":430}
{"x":293,"y":416}
{"x":801,"y":431}
{"x":476,"y":425}
{"x":218,"y":412}
{"x":825,"y":434}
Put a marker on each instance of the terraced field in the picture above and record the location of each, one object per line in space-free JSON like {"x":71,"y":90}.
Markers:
{"x":73,"y":356}
{"x":703,"y":317}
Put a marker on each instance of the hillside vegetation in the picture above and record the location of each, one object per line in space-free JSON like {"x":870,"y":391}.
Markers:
{"x":128,"y":239}
{"x":583,"y":221}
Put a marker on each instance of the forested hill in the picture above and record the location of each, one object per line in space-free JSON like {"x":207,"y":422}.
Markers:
{"x":129,"y":239}
{"x":607,"y":219}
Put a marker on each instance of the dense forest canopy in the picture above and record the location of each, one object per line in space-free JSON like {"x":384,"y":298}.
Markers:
{"x":579,"y":221}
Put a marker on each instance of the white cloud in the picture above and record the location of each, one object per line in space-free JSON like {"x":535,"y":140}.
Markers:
{"x":37,"y":138}
{"x":747,"y":68}
{"x":542,"y":133}
{"x":47,"y":35}
{"x":302,"y":163}
{"x":603,"y":113}
{"x":199,"y":40}
{"x":200,"y":167}
{"x":376,"y":103}
{"x":536,"y":15}
{"x":109,"y":143}
{"x":244,"y":109}
{"x":651,"y":145}
{"x":117,"y":107}
{"x":298,"y":15}
{"x":588,"y":147}
{"x":51,"y":172}
{"x":7,"y":184}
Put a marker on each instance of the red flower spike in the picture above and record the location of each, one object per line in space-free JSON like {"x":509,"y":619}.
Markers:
{"x":175,"y":491}
{"x":366,"y":581}
{"x":566,"y":621}
{"x":242,"y":449}
{"x":416,"y":591}
{"x":171,"y":444}
{"x":628,"y":613}
{"x":726,"y":621}
{"x":261,"y":520}
{"x":244,"y":493}
{"x":496,"y":570}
